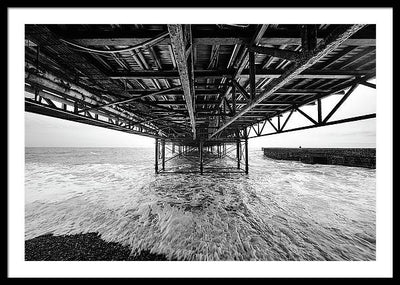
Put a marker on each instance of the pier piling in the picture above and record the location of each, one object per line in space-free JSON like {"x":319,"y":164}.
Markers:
{"x":238,"y":153}
{"x":246,"y":161}
{"x":201,"y":157}
{"x":156,"y":157}
{"x":163,"y":154}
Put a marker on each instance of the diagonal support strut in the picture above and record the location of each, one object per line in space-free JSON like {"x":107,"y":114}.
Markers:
{"x":310,"y":58}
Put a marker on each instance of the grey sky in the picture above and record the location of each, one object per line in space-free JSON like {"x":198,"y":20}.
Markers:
{"x":51,"y":132}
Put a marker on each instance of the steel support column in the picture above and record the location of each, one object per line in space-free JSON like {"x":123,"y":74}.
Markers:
{"x":201,"y":157}
{"x":238,"y":153}
{"x":163,"y":154}
{"x":156,"y":157}
{"x":252,"y":75}
{"x":319,"y":106}
{"x":246,"y":147}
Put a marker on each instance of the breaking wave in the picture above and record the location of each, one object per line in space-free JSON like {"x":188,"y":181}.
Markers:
{"x":281,"y":211}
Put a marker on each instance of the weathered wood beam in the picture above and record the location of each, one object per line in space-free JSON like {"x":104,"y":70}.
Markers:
{"x":180,"y":39}
{"x":334,"y":40}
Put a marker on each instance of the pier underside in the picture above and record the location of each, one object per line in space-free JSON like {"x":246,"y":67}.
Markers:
{"x":203,"y":157}
{"x":201,"y":91}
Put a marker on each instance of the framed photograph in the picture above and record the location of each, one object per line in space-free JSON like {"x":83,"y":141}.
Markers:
{"x":209,"y":142}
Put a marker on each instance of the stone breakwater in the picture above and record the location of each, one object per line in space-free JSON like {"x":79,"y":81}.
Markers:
{"x":358,"y":157}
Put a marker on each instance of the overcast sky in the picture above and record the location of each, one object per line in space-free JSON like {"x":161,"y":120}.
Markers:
{"x":43,"y":131}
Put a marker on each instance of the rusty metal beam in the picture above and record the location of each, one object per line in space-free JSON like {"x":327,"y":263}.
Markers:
{"x":240,"y":89}
{"x":342,"y":121}
{"x":243,"y":60}
{"x":260,"y":73}
{"x":275,"y":52}
{"x":337,"y":90}
{"x":368,"y":84}
{"x":214,"y":102}
{"x":181,"y":42}
{"x":47,"y":110}
{"x":132,"y":99}
{"x":328,"y":45}
{"x":308,"y":37}
{"x":252,"y":75}
{"x":351,"y":90}
{"x":210,"y":40}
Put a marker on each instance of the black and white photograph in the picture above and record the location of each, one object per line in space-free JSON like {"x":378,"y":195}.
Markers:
{"x":203,"y":148}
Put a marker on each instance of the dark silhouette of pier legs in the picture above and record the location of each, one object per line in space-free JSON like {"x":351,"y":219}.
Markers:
{"x":246,"y":157}
{"x":156,"y":157}
{"x":238,"y":153}
{"x":163,"y":154}
{"x":201,"y":157}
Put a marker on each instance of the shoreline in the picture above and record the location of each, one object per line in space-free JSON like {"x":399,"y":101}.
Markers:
{"x":82,"y":247}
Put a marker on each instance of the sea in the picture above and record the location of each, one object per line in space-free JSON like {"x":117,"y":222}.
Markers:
{"x":281,"y":210}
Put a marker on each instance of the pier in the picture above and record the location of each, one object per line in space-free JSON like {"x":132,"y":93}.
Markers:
{"x":201,"y":91}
